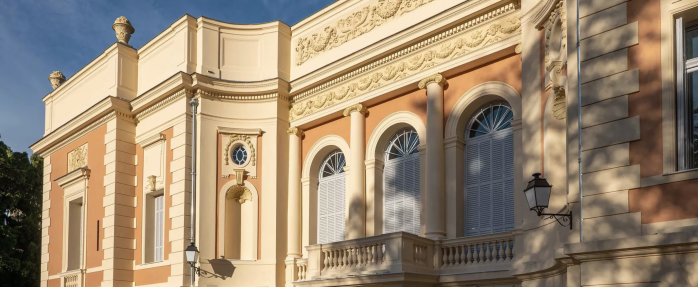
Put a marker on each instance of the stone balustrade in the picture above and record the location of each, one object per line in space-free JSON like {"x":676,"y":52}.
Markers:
{"x":72,"y":278}
{"x":487,"y":252}
{"x":405,"y":252}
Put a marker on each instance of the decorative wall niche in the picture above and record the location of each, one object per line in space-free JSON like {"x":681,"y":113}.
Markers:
{"x":239,"y":150}
{"x":153,"y":163}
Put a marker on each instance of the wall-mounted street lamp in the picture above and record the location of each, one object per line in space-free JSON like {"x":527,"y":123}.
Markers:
{"x":192,"y":255}
{"x":538,"y":197}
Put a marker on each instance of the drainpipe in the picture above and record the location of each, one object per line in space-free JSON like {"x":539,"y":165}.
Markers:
{"x":194,"y":103}
{"x":579,"y":134}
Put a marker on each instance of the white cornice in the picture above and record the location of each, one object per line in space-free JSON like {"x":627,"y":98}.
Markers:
{"x":240,"y":131}
{"x":73,"y":177}
{"x":176,"y":81}
{"x":409,"y":50}
{"x":469,"y":9}
{"x":89,"y":120}
{"x":151,"y":140}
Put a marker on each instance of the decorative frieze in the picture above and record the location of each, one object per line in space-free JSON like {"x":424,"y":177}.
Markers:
{"x":353,"y":26}
{"x":408,"y":62}
{"x":77,"y":158}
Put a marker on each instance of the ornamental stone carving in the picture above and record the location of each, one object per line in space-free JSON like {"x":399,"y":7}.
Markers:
{"x":419,"y":58}
{"x":240,"y":193}
{"x":556,"y":58}
{"x":355,"y":108}
{"x":56,"y":78}
{"x":243,"y":138}
{"x":152,"y":183}
{"x":435,"y":78}
{"x":353,"y":26}
{"x":295,"y":131}
{"x":123,"y":29}
{"x":77,"y":158}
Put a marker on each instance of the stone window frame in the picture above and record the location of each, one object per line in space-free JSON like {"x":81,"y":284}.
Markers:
{"x":670,"y":11}
{"x":74,"y":185}
{"x":153,"y":188}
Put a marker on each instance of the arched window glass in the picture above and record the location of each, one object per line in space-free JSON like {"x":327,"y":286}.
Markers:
{"x":401,"y":183}
{"x":331,"y":198}
{"x":489,"y":171}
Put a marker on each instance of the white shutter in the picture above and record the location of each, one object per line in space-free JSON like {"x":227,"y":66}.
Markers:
{"x":401,"y":202}
{"x":82,"y":218}
{"x":489,"y":183}
{"x":159,"y":228}
{"x":331,"y":208}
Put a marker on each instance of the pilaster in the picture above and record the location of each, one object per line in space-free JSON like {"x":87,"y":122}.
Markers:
{"x":356,"y":201}
{"x":119,"y":202}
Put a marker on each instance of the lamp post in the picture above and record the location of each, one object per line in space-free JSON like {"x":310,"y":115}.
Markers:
{"x":538,"y":197}
{"x":192,"y":252}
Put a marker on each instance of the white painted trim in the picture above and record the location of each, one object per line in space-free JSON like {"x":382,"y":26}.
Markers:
{"x":488,"y":91}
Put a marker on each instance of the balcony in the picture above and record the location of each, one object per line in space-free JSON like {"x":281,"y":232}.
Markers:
{"x":72,"y":278}
{"x":402,"y":252}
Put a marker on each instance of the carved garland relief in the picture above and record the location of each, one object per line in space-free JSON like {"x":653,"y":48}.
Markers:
{"x":353,"y":26}
{"x":452,"y":49}
{"x":77,"y":158}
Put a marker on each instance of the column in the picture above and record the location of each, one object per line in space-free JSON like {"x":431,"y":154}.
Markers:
{"x":294,"y":193}
{"x":356,"y":227}
{"x":435,"y":225}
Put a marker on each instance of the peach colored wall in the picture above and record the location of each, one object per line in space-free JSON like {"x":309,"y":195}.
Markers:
{"x":139,"y":199}
{"x":506,"y":69}
{"x":648,"y":101}
{"x":666,"y":202}
{"x":94,"y":279}
{"x":59,"y":167}
{"x":54,"y":283}
{"x":151,"y":275}
{"x":257,"y":182}
{"x":340,"y":126}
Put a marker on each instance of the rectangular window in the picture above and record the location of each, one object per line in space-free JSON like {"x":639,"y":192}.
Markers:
{"x":159,"y":227}
{"x":74,"y":251}
{"x":686,"y":94}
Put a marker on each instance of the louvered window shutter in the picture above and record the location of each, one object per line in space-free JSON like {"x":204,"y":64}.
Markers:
{"x":331,"y":217}
{"x":401,"y":191}
{"x":159,"y":227}
{"x":489,"y":184}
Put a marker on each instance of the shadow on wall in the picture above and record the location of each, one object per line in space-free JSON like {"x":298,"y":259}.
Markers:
{"x":222,"y":269}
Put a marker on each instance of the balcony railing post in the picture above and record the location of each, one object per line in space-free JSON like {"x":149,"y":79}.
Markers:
{"x":315,"y":261}
{"x":438,"y":254}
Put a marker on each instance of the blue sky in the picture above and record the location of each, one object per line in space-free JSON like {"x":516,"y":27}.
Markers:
{"x":39,"y":37}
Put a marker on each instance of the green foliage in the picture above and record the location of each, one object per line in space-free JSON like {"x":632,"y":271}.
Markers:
{"x":20,"y":217}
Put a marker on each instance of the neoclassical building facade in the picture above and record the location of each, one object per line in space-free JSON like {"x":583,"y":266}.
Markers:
{"x":382,"y":143}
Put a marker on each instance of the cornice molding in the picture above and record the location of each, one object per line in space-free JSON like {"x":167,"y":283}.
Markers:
{"x":73,"y":177}
{"x":469,"y":9}
{"x":412,"y":49}
{"x":163,"y":103}
{"x":151,"y":140}
{"x":454,"y":43}
{"x":178,"y":80}
{"x":107,"y":109}
{"x":226,"y":97}
{"x":352,"y":26}
{"x":242,"y":131}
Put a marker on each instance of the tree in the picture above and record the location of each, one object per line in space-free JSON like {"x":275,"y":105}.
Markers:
{"x":20,"y":217}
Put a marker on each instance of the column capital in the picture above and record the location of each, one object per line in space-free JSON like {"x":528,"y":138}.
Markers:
{"x":435,"y":78}
{"x":355,"y":108}
{"x":295,"y":131}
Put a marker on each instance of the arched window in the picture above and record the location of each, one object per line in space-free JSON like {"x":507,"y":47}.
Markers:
{"x":489,"y":171}
{"x":401,"y":183}
{"x":331,"y":198}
